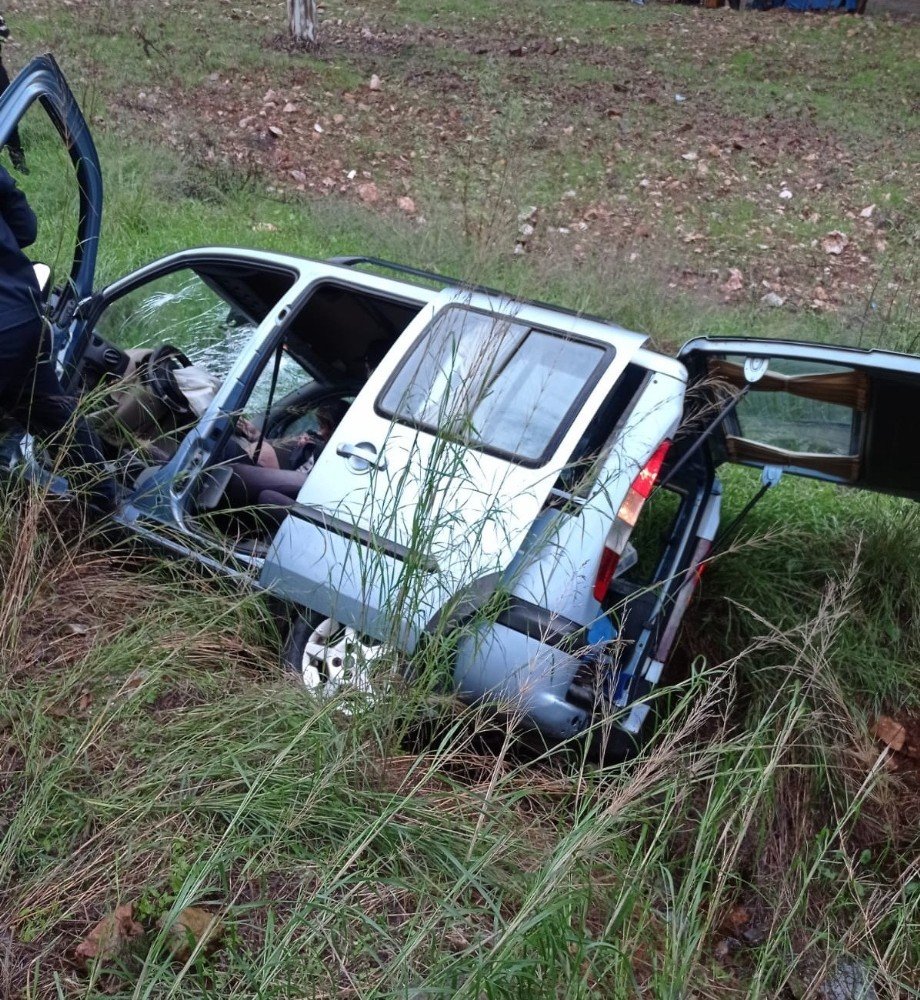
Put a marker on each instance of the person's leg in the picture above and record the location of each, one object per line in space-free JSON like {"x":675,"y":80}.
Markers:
{"x":255,"y":479}
{"x":44,"y":408}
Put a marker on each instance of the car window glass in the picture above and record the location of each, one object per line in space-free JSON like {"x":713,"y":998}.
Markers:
{"x":291,"y":376}
{"x":492,"y":381}
{"x":784,"y":414}
{"x":179,"y":309}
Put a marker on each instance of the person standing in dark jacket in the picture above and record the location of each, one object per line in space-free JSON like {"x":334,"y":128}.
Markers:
{"x":30,"y":390}
{"x":14,"y":145}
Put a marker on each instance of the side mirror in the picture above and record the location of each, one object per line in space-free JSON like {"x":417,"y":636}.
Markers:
{"x":43,"y":276}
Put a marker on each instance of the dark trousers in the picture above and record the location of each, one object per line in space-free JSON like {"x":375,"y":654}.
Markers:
{"x":31,"y":393}
{"x":251,"y":482}
{"x":14,"y":142}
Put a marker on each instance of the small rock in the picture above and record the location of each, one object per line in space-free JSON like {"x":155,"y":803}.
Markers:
{"x":318,"y":128}
{"x":375,"y":83}
{"x":785,"y":194}
{"x":866,"y":213}
{"x":772,"y":299}
{"x":111,"y":938}
{"x":735,"y":280}
{"x":289,"y":108}
{"x":726,"y":947}
{"x":850,"y":981}
{"x":299,"y":176}
{"x":275,"y":131}
{"x":406,"y":204}
{"x":691,"y":156}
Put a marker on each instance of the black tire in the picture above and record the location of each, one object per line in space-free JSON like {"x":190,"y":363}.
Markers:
{"x":299,"y":632}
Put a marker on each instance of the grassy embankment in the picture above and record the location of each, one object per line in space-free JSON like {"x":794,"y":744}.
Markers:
{"x":152,"y":752}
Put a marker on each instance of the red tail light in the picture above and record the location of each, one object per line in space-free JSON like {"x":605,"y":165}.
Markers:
{"x":626,"y":518}
{"x":644,"y":483}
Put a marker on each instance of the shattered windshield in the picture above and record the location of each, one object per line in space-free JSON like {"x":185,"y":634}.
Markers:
{"x":209,"y":316}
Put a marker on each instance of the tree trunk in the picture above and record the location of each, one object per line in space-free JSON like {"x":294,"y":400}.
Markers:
{"x":302,"y":21}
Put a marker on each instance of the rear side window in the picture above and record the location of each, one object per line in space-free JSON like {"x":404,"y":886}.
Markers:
{"x":802,"y":415}
{"x":801,"y":407}
{"x":497,"y":384}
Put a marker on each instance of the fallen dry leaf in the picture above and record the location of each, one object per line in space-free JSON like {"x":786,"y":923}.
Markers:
{"x":368,"y":193}
{"x":738,"y":918}
{"x":192,"y":926}
{"x":889,"y":732}
{"x":111,"y":938}
{"x":735,"y":280}
{"x":835,"y":242}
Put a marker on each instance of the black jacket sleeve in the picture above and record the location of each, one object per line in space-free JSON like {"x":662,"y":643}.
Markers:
{"x":16,"y":211}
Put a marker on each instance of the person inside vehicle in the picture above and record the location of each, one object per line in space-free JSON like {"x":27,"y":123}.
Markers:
{"x":30,"y":391}
{"x":271,"y":476}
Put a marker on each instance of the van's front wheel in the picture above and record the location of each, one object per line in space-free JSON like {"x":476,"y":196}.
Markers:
{"x":329,"y":657}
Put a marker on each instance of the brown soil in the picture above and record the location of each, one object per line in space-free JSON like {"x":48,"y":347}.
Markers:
{"x":582,"y":151}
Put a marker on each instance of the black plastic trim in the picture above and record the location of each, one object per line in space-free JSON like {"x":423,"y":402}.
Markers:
{"x":337,"y":526}
{"x":546,"y":626}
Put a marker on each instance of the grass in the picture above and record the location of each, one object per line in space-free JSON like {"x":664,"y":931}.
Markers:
{"x":177,"y":767}
{"x":152,"y":751}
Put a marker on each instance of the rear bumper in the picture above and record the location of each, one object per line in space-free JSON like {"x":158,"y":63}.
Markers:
{"x":525,"y":662}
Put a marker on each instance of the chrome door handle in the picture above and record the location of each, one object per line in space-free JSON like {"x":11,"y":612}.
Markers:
{"x":361,"y":456}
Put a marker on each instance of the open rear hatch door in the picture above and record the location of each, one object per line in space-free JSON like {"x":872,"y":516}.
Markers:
{"x":834,"y":413}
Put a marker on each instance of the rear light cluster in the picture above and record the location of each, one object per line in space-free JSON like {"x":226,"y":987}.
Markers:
{"x":626,"y":518}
